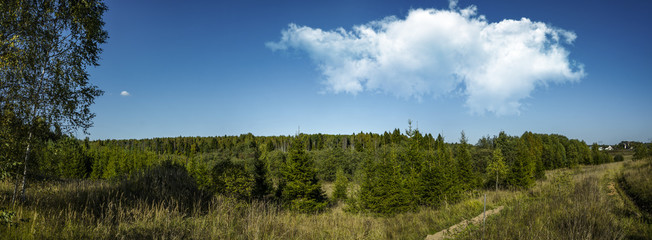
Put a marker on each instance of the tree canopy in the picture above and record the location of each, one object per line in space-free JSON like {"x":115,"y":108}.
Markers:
{"x":45,"y":49}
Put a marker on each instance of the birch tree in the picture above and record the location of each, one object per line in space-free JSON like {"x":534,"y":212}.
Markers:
{"x":46,"y":47}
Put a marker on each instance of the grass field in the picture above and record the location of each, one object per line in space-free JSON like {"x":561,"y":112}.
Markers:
{"x":91,"y":209}
{"x":583,"y":203}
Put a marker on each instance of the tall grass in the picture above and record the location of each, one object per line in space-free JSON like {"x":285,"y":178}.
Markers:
{"x":100,"y":210}
{"x":636,"y":180}
{"x":570,"y":204}
{"x":573,"y":204}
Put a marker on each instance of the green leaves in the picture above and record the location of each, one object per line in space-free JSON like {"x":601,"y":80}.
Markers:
{"x":496,"y":167}
{"x":232,"y":179}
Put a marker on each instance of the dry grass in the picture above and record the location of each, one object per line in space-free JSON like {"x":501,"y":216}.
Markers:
{"x":570,"y":204}
{"x":97,"y":210}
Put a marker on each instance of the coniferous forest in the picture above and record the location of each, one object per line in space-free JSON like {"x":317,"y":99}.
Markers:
{"x":396,"y":171}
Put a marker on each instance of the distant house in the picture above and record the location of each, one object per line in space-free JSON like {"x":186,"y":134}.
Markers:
{"x":600,"y":148}
{"x":609,"y":148}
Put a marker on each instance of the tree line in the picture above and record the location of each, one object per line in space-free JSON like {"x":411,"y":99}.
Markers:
{"x":396,"y":171}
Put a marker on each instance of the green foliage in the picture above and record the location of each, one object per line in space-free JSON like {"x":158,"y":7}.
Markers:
{"x":434,"y":182}
{"x":232,"y":179}
{"x":496,"y":167}
{"x":399,"y":173}
{"x":383,"y":190}
{"x":619,"y":158}
{"x":262,"y":186}
{"x":466,"y":176}
{"x":565,"y":210}
{"x":167,"y":183}
{"x":65,"y":158}
{"x":598,"y":156}
{"x":6,"y":217}
{"x":12,"y":134}
{"x":640,"y":152}
{"x":636,"y":180}
{"x":522,"y":171}
{"x":46,"y":49}
{"x":341,"y":185}
{"x":302,"y":190}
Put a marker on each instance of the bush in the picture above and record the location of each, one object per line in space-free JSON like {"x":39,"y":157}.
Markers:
{"x":232,"y":179}
{"x":167,"y":183}
{"x":618,"y":158}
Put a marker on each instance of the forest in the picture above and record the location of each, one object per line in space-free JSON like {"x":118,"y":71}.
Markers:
{"x":396,"y":171}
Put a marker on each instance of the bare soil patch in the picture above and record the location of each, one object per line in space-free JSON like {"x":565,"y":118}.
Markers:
{"x":460,"y":226}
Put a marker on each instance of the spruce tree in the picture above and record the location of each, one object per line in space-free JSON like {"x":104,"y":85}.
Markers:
{"x":522,"y":170}
{"x":451,"y":189}
{"x":383,"y":190}
{"x":302,"y":190}
{"x":261,"y":187}
{"x":341,"y":185}
{"x":431,"y":181}
{"x":466,"y":177}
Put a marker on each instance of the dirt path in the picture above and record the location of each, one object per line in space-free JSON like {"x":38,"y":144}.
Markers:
{"x":460,"y":226}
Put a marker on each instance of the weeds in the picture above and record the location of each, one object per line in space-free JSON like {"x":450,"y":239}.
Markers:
{"x":570,"y":204}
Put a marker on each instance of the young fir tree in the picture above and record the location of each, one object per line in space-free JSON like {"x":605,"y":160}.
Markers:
{"x":522,"y":171}
{"x":431,"y":181}
{"x":262,"y":186}
{"x":383,"y":191}
{"x":466,"y":176}
{"x":452,"y":190}
{"x":496,"y":167}
{"x":341,"y":185}
{"x":302,"y":190}
{"x":438,"y":178}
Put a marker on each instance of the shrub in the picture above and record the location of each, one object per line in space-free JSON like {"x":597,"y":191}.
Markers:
{"x":232,"y":179}
{"x":618,"y":158}
{"x":167,"y":183}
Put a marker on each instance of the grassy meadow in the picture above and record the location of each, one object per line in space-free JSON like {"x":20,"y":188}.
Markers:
{"x":588,"y":202}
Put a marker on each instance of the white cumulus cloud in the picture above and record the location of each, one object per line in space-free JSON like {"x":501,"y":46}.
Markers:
{"x":125,"y":93}
{"x":495,"y":65}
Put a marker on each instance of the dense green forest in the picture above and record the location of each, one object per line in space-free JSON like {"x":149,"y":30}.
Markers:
{"x":395,"y":171}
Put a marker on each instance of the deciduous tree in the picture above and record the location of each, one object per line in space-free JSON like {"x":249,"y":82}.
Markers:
{"x":46,"y":48}
{"x":496,"y":167}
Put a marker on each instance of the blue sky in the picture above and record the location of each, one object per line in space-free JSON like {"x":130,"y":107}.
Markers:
{"x":206,"y":68}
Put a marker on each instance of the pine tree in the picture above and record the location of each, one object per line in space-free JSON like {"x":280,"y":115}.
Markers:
{"x":302,"y":191}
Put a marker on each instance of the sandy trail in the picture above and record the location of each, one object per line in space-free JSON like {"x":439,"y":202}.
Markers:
{"x":460,"y":226}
